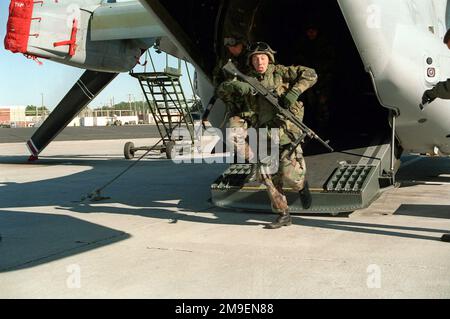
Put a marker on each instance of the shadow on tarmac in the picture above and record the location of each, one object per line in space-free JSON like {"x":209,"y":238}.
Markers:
{"x":31,"y":239}
{"x":153,"y":188}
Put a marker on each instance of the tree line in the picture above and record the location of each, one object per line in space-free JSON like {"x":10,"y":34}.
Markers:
{"x":33,"y":110}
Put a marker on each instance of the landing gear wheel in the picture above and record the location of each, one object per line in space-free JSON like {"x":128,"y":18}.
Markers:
{"x":169,"y":148}
{"x":128,"y":150}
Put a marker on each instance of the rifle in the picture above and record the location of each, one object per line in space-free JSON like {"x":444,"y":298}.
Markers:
{"x":208,"y":109}
{"x":273,"y":100}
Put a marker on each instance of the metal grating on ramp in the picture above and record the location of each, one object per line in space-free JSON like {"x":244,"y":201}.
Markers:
{"x":234,"y":176}
{"x":347,"y":186}
{"x":350,"y":178}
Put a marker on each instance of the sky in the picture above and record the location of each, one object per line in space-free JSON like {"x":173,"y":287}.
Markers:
{"x":24,"y":82}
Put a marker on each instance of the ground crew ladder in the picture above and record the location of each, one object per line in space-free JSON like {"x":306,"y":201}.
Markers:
{"x":168,"y":106}
{"x":168,"y":103}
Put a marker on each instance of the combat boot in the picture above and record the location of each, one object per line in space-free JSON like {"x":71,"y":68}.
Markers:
{"x":282,"y":220}
{"x":305,"y":196}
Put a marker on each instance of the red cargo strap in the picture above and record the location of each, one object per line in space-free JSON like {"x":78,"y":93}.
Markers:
{"x":73,"y":39}
{"x":33,"y":57}
{"x":138,"y":58}
{"x":18,"y":26}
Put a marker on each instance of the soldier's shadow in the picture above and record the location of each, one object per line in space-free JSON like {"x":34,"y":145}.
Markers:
{"x":173,"y":214}
{"x":372,"y":228}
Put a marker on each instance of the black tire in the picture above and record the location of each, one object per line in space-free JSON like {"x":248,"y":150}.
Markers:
{"x":446,"y":238}
{"x":128,"y":150}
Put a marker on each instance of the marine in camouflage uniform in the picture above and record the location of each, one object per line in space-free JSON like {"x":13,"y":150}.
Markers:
{"x":237,"y":56}
{"x":288,"y":83}
{"x":236,"y":51}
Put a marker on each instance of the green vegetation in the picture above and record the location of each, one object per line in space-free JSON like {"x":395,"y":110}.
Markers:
{"x":31,"y":110}
{"x":124,"y":106}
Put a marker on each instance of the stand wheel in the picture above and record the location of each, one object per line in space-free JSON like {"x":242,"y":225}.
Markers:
{"x":169,"y":148}
{"x":128,"y":150}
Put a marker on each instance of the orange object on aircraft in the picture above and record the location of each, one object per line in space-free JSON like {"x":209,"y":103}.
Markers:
{"x":18,"y":27}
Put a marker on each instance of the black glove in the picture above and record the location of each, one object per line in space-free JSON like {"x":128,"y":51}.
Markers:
{"x":428,"y":97}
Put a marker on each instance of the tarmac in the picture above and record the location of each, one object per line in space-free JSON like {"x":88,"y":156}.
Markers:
{"x":156,"y":235}
{"x":72,"y":133}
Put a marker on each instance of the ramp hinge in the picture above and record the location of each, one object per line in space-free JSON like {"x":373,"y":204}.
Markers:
{"x":393,"y":136}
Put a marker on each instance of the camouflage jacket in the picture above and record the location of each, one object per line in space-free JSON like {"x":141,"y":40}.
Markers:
{"x":257,"y":111}
{"x":442,"y":90}
{"x":279,"y":79}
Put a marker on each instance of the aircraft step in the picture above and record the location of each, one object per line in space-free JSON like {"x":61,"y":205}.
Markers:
{"x":344,"y":186}
{"x":166,"y":107}
{"x":350,"y":178}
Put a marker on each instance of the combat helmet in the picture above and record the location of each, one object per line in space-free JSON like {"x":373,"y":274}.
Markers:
{"x":233,"y":39}
{"x":260,"y":48}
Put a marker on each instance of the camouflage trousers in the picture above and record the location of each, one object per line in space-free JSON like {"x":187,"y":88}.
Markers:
{"x":290,"y":170}
{"x":291,"y":174}
{"x":237,"y":137}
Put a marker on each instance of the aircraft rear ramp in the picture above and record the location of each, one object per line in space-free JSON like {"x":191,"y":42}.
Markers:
{"x":340,"y":182}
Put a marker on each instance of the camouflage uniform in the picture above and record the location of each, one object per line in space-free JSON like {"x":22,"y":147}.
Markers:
{"x":219,"y":77}
{"x":442,"y":90}
{"x":292,"y":170}
{"x":236,"y":109}
{"x":241,"y":116}
{"x":279,"y":79}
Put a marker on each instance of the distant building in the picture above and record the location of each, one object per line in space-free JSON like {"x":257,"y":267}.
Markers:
{"x":5,"y":115}
{"x":13,"y":116}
